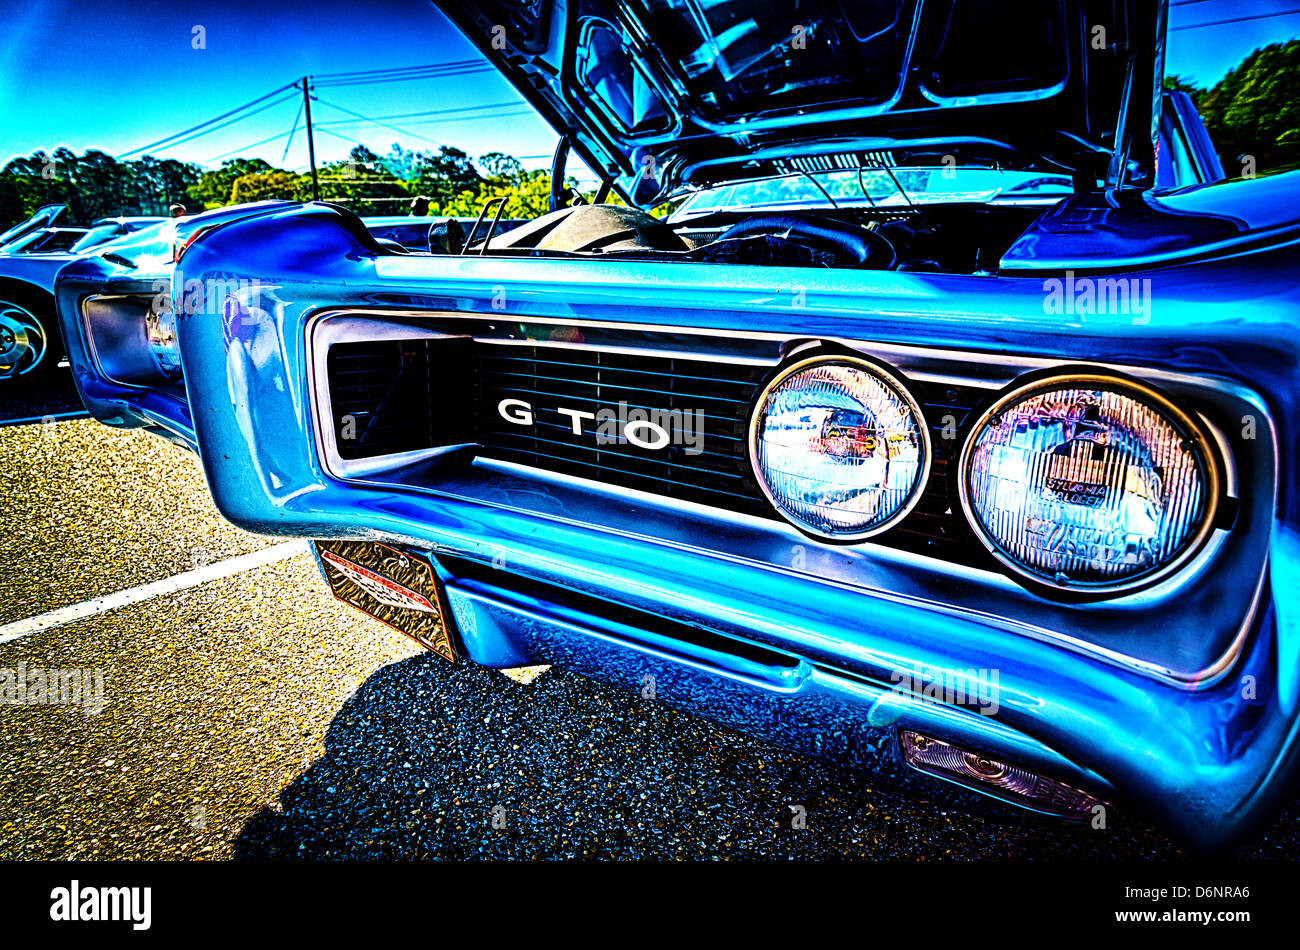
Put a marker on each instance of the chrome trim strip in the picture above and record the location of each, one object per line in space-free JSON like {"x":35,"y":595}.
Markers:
{"x":621,"y":350}
{"x":1261,"y":240}
{"x":1198,"y":679}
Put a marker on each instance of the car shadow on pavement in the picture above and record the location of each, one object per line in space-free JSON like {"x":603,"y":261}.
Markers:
{"x":429,"y":760}
{"x":54,"y":397}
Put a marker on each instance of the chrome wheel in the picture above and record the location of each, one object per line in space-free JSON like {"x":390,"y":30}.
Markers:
{"x":24,"y":342}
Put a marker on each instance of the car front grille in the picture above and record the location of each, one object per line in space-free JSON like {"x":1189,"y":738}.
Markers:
{"x":389,"y":396}
{"x":710,"y":401}
{"x":403,"y":395}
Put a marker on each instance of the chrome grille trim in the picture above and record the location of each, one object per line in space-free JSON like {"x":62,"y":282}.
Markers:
{"x":1214,"y":402}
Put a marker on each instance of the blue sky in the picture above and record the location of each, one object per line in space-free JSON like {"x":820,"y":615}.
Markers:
{"x":119,"y":74}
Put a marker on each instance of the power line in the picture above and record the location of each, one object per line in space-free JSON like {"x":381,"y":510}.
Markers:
{"x":234,"y":151}
{"x":345,"y":138}
{"x":372,"y":82}
{"x":420,"y":74}
{"x":493,"y":110}
{"x":291,"y":132}
{"x":446,"y":65}
{"x":445,"y":120}
{"x":1239,"y":19}
{"x":433,"y":112}
{"x":384,"y":124}
{"x":363,"y":179}
{"x":195,"y":128}
{"x":400,"y":72}
{"x":357,"y":77}
{"x":230,"y":122}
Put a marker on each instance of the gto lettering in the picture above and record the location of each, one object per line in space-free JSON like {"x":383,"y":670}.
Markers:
{"x":516,"y":411}
{"x":646,"y":429}
{"x":575,"y":418}
{"x":659,"y":435}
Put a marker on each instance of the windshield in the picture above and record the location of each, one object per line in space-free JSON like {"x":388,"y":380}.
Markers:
{"x":96,"y":235}
{"x":149,"y":248}
{"x":23,"y":244}
{"x":877,"y":187}
{"x":48,"y":241}
{"x":43,"y":216}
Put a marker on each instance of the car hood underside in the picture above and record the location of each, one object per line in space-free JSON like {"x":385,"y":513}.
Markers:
{"x":661,"y":94}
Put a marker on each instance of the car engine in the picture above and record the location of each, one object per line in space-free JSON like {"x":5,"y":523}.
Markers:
{"x":951,"y":239}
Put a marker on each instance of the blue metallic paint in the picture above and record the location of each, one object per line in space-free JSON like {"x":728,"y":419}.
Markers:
{"x":1119,"y":230}
{"x":1201,"y":757}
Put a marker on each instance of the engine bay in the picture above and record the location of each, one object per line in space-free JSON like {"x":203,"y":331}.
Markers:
{"x":950,"y":238}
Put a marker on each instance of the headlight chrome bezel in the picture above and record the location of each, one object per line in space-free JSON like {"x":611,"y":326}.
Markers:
{"x":1196,"y":439}
{"x":894,"y":382}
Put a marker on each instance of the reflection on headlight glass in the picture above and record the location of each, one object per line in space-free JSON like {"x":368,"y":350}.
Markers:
{"x":1086,"y":486}
{"x":160,"y":327}
{"x":839,"y":449}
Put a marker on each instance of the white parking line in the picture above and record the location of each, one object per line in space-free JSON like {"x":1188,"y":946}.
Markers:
{"x":133,"y":595}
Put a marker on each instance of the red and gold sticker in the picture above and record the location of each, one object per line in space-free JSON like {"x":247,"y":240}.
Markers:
{"x":394,"y":587}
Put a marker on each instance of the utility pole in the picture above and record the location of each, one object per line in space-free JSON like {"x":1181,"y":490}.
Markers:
{"x":311,"y":144}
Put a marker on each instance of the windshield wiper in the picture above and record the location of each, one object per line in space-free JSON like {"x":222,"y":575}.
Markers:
{"x":863,"y":185}
{"x":901,"y":190}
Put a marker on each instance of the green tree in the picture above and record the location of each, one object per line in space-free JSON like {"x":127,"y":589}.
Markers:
{"x":444,"y":174}
{"x":1254,"y":111}
{"x":275,"y":184}
{"x":526,"y":198}
{"x":94,"y":184}
{"x":364,"y":183}
{"x":38,"y":180}
{"x":502,"y":167}
{"x":213,"y":189}
{"x":104,"y":185}
{"x":1177,"y":83}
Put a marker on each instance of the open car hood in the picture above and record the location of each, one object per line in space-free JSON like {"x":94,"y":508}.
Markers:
{"x":661,"y":94}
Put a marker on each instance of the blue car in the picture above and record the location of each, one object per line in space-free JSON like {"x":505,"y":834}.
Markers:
{"x":944,"y":430}
{"x":31,"y":253}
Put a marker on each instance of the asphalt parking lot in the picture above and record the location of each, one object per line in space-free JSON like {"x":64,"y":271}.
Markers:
{"x":246,"y":714}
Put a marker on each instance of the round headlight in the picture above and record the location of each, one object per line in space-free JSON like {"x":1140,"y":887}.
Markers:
{"x":160,"y":328}
{"x":839,"y":447}
{"x":1088,"y":483}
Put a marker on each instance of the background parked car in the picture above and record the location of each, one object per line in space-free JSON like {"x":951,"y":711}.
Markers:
{"x":45,"y":240}
{"x":31,"y":253}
